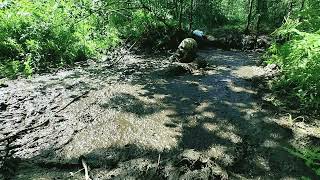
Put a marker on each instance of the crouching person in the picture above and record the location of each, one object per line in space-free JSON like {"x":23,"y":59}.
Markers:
{"x":185,"y":60}
{"x":186,"y":52}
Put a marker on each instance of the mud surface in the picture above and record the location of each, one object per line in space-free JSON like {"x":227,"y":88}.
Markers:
{"x":133,"y":120}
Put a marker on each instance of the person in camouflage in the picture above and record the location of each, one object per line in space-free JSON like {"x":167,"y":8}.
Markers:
{"x":186,"y":51}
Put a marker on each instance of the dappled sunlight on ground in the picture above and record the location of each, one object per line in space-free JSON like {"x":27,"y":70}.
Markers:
{"x":133,"y":114}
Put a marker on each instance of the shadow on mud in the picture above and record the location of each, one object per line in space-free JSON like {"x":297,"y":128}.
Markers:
{"x":224,"y":132}
{"x":221,"y":118}
{"x":129,"y":103}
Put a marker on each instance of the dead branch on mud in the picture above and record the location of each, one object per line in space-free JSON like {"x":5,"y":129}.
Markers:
{"x":73,"y":100}
{"x":86,"y":169}
{"x":72,"y":174}
{"x":159,"y":158}
{"x":121,"y":56}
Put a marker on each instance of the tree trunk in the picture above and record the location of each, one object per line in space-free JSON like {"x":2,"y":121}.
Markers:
{"x":180,"y":14}
{"x":191,"y":16}
{"x":262,"y":8}
{"x":249,"y":17}
{"x":176,"y":8}
{"x":290,"y":8}
{"x":302,"y":5}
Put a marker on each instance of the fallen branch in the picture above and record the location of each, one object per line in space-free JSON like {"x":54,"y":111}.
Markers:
{"x":72,"y":174}
{"x":159,"y":158}
{"x":121,"y":57}
{"x":86,"y":169}
{"x":73,"y":100}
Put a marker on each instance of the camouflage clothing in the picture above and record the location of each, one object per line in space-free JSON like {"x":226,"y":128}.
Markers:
{"x":187,"y":50}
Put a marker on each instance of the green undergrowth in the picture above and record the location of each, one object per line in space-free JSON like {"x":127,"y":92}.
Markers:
{"x":311,"y":157}
{"x":149,"y":33}
{"x":44,"y":35}
{"x":227,"y":30}
{"x":297,"y":52}
{"x":38,"y":35}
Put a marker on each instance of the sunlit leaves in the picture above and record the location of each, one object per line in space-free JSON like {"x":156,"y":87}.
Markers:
{"x":299,"y":59}
{"x":310,"y":156}
{"x":38,"y":35}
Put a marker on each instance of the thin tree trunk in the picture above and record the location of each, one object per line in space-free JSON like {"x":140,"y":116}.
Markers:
{"x":262,"y":8}
{"x":302,"y":5}
{"x":290,"y":8}
{"x":176,"y":8}
{"x":249,"y":17}
{"x":191,"y":16}
{"x":180,"y":14}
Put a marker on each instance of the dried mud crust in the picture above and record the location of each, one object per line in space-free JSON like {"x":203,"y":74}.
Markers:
{"x":133,"y":120}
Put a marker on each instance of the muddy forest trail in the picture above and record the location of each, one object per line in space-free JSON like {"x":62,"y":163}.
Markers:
{"x":131,"y":120}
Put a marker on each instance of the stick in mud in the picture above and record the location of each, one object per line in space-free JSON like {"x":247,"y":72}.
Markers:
{"x":121,"y":57}
{"x":73,"y":100}
{"x":159,"y":157}
{"x":86,"y":169}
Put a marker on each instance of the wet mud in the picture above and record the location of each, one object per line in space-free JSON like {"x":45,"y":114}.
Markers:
{"x":131,"y":120}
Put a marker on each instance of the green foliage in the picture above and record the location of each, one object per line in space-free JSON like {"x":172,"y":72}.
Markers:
{"x":10,"y":68}
{"x":310,"y":16}
{"x":39,"y":35}
{"x":142,"y":22}
{"x":298,"y":54}
{"x":310,"y":156}
{"x":287,"y":30}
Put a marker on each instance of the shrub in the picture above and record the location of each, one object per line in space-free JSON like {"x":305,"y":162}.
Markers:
{"x":44,"y":34}
{"x":298,"y":54}
{"x":311,"y":156}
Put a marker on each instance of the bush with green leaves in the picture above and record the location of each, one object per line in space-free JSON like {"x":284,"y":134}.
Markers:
{"x":44,"y":34}
{"x":297,"y":52}
{"x":311,"y":157}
